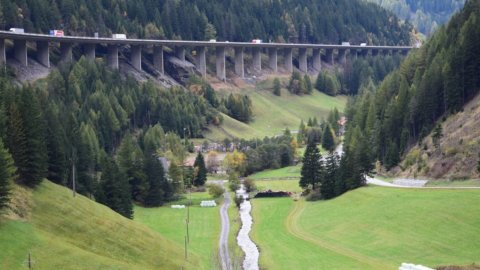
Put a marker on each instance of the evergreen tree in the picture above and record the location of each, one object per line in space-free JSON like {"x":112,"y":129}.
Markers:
{"x":277,"y":87}
{"x":7,"y":171}
{"x":328,"y":141}
{"x":308,"y":84}
{"x":114,"y":189}
{"x":156,"y":179}
{"x":328,"y":188}
{"x":437,"y":135}
{"x":312,"y":167}
{"x":201,"y":170}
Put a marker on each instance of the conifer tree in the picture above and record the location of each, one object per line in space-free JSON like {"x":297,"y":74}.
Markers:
{"x":328,"y":142}
{"x":437,"y":135}
{"x":156,"y":178}
{"x":308,"y":84}
{"x":115,"y":191}
{"x":312,"y":167}
{"x":7,"y":170}
{"x":201,"y":170}
{"x":277,"y":87}
{"x":329,"y":177}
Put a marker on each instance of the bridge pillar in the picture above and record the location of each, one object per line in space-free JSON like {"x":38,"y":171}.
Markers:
{"x":317,"y":60}
{"x":180,"y":53}
{"x":342,"y":56}
{"x":89,"y":51}
{"x":257,"y":59}
{"x":20,"y":51}
{"x":220,"y":63}
{"x":272,"y":59}
{"x":3,"y":56}
{"x":66,"y":52}
{"x":136,"y":56}
{"x":158,"y":58}
{"x":112,"y":56}
{"x":329,"y":56}
{"x":302,"y":60}
{"x":43,"y":53}
{"x":239,"y":68}
{"x":288,"y":58}
{"x":201,"y":61}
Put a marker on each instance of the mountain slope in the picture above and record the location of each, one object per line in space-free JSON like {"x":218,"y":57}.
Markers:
{"x":297,"y":20}
{"x":63,"y":232}
{"x":425,"y":15}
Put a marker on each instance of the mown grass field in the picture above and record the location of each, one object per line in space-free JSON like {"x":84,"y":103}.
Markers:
{"x":282,"y":173}
{"x":369,"y":228}
{"x":272,"y":114}
{"x":204,"y":227}
{"x":63,"y":232}
{"x":278,"y":185}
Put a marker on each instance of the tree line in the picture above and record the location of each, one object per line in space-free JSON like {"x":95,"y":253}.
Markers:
{"x":296,"y":21}
{"x":112,"y":131}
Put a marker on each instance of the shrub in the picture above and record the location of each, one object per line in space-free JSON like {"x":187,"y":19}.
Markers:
{"x":215,"y":190}
{"x":238,"y":201}
{"x":249,"y":185}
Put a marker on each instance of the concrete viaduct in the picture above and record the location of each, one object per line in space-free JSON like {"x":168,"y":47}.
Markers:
{"x":89,"y":45}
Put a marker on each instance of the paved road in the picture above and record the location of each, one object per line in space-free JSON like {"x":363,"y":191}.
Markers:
{"x":223,"y":243}
{"x":378,"y":182}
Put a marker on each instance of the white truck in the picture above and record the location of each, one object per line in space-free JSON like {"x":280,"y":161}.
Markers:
{"x":119,"y":36}
{"x":256,"y":41}
{"x":345,"y":43}
{"x":363,"y":44}
{"x":17,"y":30}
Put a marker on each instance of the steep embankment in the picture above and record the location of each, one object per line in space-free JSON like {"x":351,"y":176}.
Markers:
{"x":272,"y":114}
{"x":63,"y":232}
{"x":457,"y":154}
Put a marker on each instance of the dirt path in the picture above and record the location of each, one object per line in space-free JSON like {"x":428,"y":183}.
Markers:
{"x":291,"y":224}
{"x":223,"y":242}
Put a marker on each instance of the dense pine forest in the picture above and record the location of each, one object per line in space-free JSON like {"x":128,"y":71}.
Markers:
{"x":82,"y":116}
{"x":296,"y":21}
{"x":425,"y":15}
{"x":433,"y":82}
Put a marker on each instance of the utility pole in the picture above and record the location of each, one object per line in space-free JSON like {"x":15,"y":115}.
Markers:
{"x":186,"y":248}
{"x":74,"y":175}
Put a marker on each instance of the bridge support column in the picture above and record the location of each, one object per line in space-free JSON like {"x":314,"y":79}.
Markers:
{"x":257,"y":59}
{"x":201,"y":61}
{"x":317,"y":60}
{"x":66,"y":52}
{"x":239,"y":68}
{"x":89,"y":51}
{"x":112,"y":56}
{"x":3,"y":56}
{"x":342,"y":56}
{"x":158,"y":58}
{"x":220,"y":63}
{"x":272,"y":59}
{"x":302,"y":60}
{"x":180,"y":53}
{"x":43,"y":53}
{"x":136,"y":56}
{"x":20,"y":51}
{"x":329,"y":56}
{"x":288,"y":58}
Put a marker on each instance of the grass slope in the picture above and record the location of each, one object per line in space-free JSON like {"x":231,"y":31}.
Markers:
{"x":204,"y":227}
{"x":369,"y":228}
{"x":63,"y":232}
{"x":272,"y":114}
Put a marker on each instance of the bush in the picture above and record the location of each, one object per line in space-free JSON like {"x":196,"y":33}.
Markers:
{"x":249,"y":185}
{"x":314,"y":196}
{"x":238,"y":201}
{"x":215,"y":190}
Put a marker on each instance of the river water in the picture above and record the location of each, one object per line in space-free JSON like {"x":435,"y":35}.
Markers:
{"x":243,"y":239}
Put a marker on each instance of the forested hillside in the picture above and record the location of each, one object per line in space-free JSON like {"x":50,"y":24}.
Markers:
{"x":84,"y":115}
{"x":303,"y":21}
{"x":432,"y":83}
{"x":425,"y":15}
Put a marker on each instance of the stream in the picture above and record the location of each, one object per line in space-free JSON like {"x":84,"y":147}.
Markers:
{"x":243,"y":239}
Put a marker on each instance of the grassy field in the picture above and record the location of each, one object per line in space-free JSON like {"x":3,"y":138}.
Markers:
{"x":204,"y":227}
{"x":278,"y":185}
{"x":63,"y":232}
{"x":282,"y":173}
{"x":272,"y":114}
{"x":369,"y":228}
